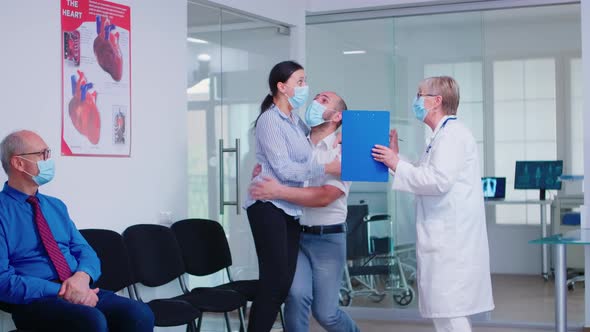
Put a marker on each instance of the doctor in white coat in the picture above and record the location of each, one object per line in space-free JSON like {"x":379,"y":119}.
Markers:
{"x":452,"y":245}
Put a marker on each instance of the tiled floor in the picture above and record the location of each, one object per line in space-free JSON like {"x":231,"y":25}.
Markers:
{"x":531,"y":299}
{"x":519,"y":300}
{"x":215,"y":324}
{"x":393,"y":327}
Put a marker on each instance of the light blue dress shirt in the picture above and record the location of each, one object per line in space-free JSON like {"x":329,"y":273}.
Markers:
{"x":285,"y":153}
{"x":25,"y":267}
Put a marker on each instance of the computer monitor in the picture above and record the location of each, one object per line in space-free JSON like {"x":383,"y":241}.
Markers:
{"x":493,"y":187}
{"x":542,"y":175}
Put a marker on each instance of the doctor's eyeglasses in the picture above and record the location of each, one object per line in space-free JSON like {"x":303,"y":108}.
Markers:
{"x":418,"y":95}
{"x":45,"y":154}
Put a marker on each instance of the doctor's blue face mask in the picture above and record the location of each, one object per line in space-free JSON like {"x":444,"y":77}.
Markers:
{"x":299,"y":97}
{"x":418,"y":108}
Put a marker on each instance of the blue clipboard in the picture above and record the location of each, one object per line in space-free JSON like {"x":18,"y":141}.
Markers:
{"x":361,"y":130}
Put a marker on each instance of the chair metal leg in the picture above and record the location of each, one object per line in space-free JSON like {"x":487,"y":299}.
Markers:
{"x":199,"y":323}
{"x":191,"y":327}
{"x":241,"y":314}
{"x":282,"y":319}
{"x":227,"y":322}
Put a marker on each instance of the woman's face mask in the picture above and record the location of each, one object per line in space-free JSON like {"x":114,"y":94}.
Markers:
{"x":300,"y":95}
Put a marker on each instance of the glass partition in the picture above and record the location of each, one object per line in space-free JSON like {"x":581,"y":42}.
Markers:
{"x":376,"y":65}
{"x":520,"y":79}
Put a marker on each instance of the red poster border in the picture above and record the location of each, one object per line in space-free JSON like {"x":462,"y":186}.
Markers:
{"x":65,"y":149}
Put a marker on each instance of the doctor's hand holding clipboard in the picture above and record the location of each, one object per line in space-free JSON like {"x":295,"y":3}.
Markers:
{"x":388,"y":155}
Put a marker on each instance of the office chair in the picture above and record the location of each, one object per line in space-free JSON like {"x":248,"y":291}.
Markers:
{"x":155,"y":261}
{"x":205,"y":251}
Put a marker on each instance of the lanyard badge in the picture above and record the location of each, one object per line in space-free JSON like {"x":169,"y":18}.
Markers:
{"x":443,"y":125}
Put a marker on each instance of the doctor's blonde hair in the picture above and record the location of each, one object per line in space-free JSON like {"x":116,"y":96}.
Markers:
{"x":447,"y":88}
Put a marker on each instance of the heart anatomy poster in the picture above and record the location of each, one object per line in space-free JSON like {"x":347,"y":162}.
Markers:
{"x":96,"y":78}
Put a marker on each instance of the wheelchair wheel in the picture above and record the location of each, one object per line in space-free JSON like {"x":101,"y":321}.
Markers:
{"x":405,"y":297}
{"x":344,"y":298}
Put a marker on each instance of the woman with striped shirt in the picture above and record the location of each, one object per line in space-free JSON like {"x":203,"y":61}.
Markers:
{"x":284,"y":152}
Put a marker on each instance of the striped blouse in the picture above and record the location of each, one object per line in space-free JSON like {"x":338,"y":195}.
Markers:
{"x":285,"y":153}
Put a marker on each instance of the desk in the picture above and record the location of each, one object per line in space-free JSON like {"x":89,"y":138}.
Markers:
{"x":543,"y":205}
{"x":577,"y":237}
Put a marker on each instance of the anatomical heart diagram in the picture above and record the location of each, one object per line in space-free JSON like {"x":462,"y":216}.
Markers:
{"x":83,"y":110}
{"x":106,"y":48}
{"x":72,"y":47}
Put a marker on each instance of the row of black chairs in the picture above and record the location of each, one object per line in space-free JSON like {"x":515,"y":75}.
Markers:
{"x":154,"y":255}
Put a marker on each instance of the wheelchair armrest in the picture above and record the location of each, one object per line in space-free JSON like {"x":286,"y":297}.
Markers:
{"x":376,"y":217}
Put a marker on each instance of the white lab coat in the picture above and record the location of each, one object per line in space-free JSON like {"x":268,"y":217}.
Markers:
{"x":452,"y":244}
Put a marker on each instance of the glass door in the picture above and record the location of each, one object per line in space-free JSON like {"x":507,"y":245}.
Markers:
{"x":203,"y":104}
{"x":230,"y":56}
{"x":250,"y":48}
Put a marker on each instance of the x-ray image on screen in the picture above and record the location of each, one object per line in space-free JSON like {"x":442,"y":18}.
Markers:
{"x":489,"y":187}
{"x":493,"y":187}
{"x":538,"y":174}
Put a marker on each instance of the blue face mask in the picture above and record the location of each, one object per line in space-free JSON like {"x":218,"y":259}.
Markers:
{"x":46,"y":171}
{"x":418,"y":108}
{"x":299,"y":97}
{"x":314,"y":114}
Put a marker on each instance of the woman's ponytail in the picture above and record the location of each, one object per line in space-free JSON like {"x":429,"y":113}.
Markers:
{"x":266,"y":104}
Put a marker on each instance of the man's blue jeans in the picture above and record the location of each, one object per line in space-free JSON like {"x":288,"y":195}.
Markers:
{"x":316,"y":285}
{"x":112,"y":313}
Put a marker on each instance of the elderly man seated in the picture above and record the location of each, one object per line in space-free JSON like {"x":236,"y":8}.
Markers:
{"x":46,"y":266}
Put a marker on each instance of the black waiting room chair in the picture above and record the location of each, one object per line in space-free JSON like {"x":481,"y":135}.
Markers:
{"x":205,"y":251}
{"x":117,"y":274}
{"x":115,"y":266}
{"x":7,"y":307}
{"x":157,"y":259}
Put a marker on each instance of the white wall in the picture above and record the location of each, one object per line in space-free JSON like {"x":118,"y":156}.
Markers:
{"x":104,"y":192}
{"x":110,"y":193}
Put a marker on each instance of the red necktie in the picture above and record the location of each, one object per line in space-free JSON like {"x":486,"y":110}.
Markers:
{"x":56,"y":256}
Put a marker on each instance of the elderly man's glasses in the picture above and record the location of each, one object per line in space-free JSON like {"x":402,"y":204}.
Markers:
{"x":45,"y":154}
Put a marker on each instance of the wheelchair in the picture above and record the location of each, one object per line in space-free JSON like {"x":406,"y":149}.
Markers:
{"x":375,"y":267}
